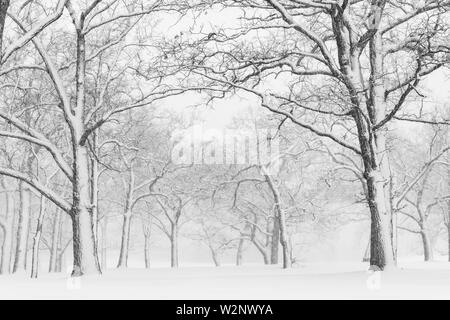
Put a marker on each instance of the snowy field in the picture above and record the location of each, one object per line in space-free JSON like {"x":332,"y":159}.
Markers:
{"x":413,"y":280}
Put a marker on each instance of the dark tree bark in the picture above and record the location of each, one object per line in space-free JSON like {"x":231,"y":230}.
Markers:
{"x":4,"y":5}
{"x":84,"y":243}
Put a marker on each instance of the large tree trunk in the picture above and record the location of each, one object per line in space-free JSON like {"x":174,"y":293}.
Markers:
{"x":5,"y":266}
{"x":275,"y":240}
{"x":84,"y":250}
{"x":55,"y":237}
{"x":37,"y":239}
{"x":22,"y":230}
{"x":376,"y":176}
{"x":85,"y":260}
{"x":427,"y":249}
{"x":85,"y":257}
{"x":381,"y":246}
{"x":174,"y":245}
{"x":372,"y":139}
{"x":125,"y":243}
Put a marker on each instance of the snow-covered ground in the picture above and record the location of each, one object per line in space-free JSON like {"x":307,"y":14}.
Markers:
{"x":413,"y":280}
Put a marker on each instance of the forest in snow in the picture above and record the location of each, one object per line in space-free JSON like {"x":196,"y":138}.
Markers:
{"x":223,"y":133}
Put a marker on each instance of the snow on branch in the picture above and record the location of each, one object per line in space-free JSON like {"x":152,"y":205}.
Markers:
{"x":31,"y":34}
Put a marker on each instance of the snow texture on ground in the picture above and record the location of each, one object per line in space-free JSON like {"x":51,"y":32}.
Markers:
{"x":412,"y":280}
